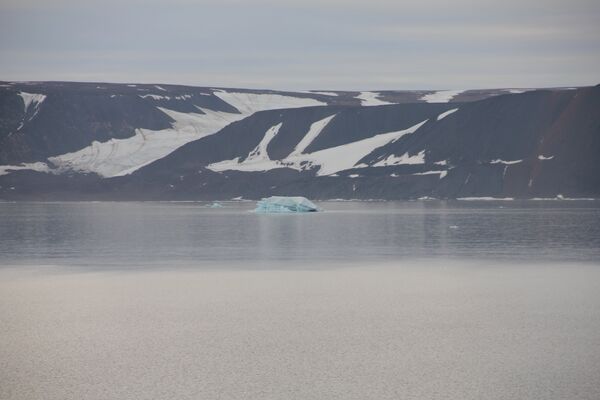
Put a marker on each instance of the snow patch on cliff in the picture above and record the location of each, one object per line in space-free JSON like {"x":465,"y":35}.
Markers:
{"x":442,"y":96}
{"x":31,"y":99}
{"x":315,"y":129}
{"x":445,"y":114}
{"x":371,"y":99}
{"x":36,"y":166}
{"x":249,"y":103}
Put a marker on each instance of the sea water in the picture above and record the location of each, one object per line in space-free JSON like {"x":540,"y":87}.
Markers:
{"x":407,"y":300}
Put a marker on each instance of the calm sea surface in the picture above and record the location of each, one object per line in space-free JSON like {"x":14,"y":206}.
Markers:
{"x":124,"y":235}
{"x":408,"y":300}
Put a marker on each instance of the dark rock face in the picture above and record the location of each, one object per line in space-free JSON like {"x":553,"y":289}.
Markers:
{"x":540,"y":143}
{"x":534,"y":144}
{"x":69,"y":121}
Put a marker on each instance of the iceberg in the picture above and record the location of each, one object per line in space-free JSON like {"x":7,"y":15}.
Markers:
{"x":216,"y":205}
{"x":285,"y":204}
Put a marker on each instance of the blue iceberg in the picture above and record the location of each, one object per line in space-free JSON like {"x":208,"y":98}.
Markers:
{"x":216,"y":205}
{"x":285,"y":204}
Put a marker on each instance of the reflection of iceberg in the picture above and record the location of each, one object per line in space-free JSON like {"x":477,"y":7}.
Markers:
{"x":285,"y":204}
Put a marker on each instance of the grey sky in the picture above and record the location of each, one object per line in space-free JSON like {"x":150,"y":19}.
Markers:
{"x":308,"y":44}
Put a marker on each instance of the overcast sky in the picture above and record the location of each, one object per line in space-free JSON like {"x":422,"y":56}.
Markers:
{"x":304,"y":44}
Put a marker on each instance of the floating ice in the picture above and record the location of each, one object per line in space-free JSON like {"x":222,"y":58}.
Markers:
{"x":216,"y":205}
{"x":285,"y":204}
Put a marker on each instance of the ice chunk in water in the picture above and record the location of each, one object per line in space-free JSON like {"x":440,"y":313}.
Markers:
{"x":285,"y":204}
{"x":216,"y":205}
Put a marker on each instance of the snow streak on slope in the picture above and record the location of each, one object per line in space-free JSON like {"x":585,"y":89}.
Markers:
{"x":201,"y":124}
{"x":442,"y":96}
{"x":370,"y":99}
{"x":346,"y":156}
{"x":499,"y":161}
{"x":260,"y":152}
{"x":249,"y":103}
{"x":325,"y":93}
{"x":317,"y":92}
{"x":118,"y":157}
{"x":445,"y":114}
{"x":543,"y":157}
{"x":258,"y":159}
{"x":314,"y":131}
{"x":29,"y":99}
{"x":36,"y":166}
{"x":404,"y":159}
{"x":160,"y":97}
{"x":518,"y":91}
{"x":441,"y":174}
{"x":485,"y":198}
{"x":328,"y":161}
{"x":154,"y":97}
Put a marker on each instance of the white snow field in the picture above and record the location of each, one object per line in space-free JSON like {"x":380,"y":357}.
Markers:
{"x":249,"y":103}
{"x":329,"y":161}
{"x":118,"y":157}
{"x":371,"y":99}
{"x":442,"y":96}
